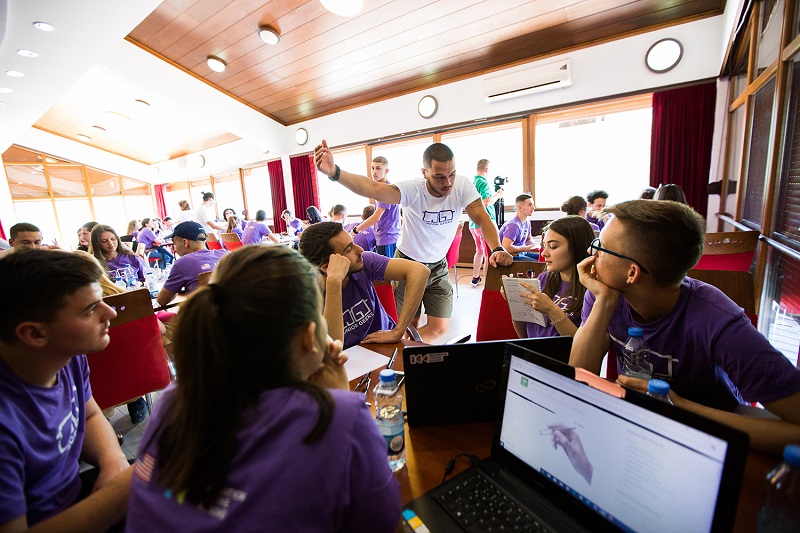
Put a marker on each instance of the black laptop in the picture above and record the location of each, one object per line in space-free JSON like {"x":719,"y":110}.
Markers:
{"x":634,"y":463}
{"x":470,"y":372}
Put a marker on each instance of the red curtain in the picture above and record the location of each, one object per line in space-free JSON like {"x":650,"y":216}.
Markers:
{"x":2,"y":233}
{"x":275,"y":169}
{"x":680,"y":144}
{"x":304,"y":183}
{"x":158,"y":196}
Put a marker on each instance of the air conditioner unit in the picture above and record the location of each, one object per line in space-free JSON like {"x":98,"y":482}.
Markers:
{"x":528,"y":81}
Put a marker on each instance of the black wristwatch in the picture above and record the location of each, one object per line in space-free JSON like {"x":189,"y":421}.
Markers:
{"x":355,"y":230}
{"x":335,"y":177}
{"x":499,"y":249}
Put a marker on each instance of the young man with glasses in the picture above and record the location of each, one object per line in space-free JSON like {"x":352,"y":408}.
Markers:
{"x":701,"y":342}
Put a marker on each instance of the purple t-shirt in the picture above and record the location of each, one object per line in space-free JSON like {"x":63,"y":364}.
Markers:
{"x":254,"y":232}
{"x":238,"y":231}
{"x":294,"y":227}
{"x":362,"y":311}
{"x":41,"y":436}
{"x":146,"y":237}
{"x":341,"y":482}
{"x":387,"y":229}
{"x":127,"y":260}
{"x":186,"y":269}
{"x":365,"y":239}
{"x":516,"y":230}
{"x":562,"y":300}
{"x":708,"y":350}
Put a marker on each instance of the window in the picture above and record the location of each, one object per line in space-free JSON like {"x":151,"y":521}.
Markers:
{"x":759,"y":149}
{"x":500,"y":144}
{"x":258,"y":191}
{"x":174,"y":193}
{"x":331,"y":193}
{"x":780,"y":308}
{"x":405,"y":157}
{"x":787,"y":227}
{"x":228,"y":192}
{"x":578,"y":151}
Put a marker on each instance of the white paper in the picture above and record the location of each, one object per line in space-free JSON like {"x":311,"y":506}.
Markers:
{"x":520,"y":307}
{"x":362,"y":360}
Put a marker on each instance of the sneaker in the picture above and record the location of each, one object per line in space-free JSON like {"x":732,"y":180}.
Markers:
{"x":475,"y":281}
{"x":137,"y":410}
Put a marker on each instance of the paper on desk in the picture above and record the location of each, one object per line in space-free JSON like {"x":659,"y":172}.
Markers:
{"x":520,"y":307}
{"x":362,"y":360}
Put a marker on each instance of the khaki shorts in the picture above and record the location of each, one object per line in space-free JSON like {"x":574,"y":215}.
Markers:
{"x":438,"y":295}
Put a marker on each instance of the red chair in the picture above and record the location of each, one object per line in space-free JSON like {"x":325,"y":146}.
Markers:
{"x":494,"y":317}
{"x":134,"y":363}
{"x":732,"y":250}
{"x":452,"y":254}
{"x":385,"y":292}
{"x":231,"y":241}
{"x":212,"y":243}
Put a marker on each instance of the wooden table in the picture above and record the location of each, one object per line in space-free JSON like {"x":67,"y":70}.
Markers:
{"x":428,"y":449}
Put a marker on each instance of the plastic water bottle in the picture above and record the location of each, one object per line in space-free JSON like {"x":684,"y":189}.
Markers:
{"x":119,"y":282}
{"x":659,"y":390}
{"x":130,"y":277}
{"x":389,"y":417}
{"x":781,"y":512}
{"x":151,"y":283}
{"x":636,"y":356}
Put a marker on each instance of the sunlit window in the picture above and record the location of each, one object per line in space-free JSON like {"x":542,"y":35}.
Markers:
{"x":332,"y":193}
{"x":258,"y":191}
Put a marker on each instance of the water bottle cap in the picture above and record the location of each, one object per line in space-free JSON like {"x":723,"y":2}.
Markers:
{"x":387,"y":375}
{"x":635,"y":331}
{"x":657,"y":386}
{"x":791,"y":454}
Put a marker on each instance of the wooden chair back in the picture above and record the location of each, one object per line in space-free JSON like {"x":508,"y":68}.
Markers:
{"x":212,"y":242}
{"x":737,"y":285}
{"x":203,"y":278}
{"x":729,"y":250}
{"x":134,"y":363}
{"x":231,"y":241}
{"x":494,"y":317}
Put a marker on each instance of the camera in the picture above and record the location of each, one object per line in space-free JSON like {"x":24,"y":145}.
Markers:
{"x":499,"y":181}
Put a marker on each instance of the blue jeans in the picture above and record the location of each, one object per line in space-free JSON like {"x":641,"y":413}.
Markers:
{"x":526,"y":256}
{"x":163,"y":256}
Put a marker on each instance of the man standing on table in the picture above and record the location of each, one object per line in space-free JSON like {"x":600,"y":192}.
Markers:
{"x":432,"y":209}
{"x":701,"y":342}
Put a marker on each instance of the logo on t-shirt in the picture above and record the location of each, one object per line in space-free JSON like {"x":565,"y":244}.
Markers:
{"x":68,"y":428}
{"x":437,"y":218}
{"x":357,"y":315}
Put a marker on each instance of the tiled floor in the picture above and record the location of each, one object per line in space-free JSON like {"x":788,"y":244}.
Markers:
{"x":464,"y":321}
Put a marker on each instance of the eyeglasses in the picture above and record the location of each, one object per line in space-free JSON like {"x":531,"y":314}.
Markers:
{"x":595,"y":247}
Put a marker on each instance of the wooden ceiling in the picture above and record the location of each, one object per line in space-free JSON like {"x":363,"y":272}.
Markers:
{"x":325,"y":63}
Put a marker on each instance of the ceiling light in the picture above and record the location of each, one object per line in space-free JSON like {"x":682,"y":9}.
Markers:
{"x":427,"y":106}
{"x":301,"y":136}
{"x":99,"y":128}
{"x":27,"y":53}
{"x":664,"y":55}
{"x":343,"y":8}
{"x":215,"y":64}
{"x":142,"y":102}
{"x":44,"y":26}
{"x":268,"y":35}
{"x":117,"y":116}
{"x":6,"y":90}
{"x":84,"y":138}
{"x":15,"y":73}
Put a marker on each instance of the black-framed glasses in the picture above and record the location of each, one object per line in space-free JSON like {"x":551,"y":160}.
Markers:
{"x":595,"y":247}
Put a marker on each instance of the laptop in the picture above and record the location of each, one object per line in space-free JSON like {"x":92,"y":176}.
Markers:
{"x":470,"y":372}
{"x":635,"y":463}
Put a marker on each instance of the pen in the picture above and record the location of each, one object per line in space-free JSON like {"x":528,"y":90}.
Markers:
{"x":391,"y":359}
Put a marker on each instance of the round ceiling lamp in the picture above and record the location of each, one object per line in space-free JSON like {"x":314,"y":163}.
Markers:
{"x":343,"y":8}
{"x":301,"y":136}
{"x":427,"y":106}
{"x":664,"y":55}
{"x":269,"y":35}
{"x":215,"y":64}
{"x":24,"y":52}
{"x":44,"y":26}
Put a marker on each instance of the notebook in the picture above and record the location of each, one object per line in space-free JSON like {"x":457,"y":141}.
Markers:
{"x":469,"y":372}
{"x":635,"y":464}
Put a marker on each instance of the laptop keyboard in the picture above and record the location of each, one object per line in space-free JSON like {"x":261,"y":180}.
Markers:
{"x":479,"y":505}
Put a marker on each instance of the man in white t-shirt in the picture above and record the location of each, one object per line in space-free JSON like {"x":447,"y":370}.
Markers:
{"x":431,"y":216}
{"x":205,"y":215}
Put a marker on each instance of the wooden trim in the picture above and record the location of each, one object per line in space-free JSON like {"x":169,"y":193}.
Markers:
{"x":529,"y":154}
{"x":723,"y":191}
{"x":244,"y":190}
{"x":733,"y":222}
{"x":756,"y":85}
{"x":617,"y":105}
{"x":791,"y":50}
{"x":752,"y":57}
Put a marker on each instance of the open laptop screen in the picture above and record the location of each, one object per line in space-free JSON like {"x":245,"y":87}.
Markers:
{"x":633,"y":467}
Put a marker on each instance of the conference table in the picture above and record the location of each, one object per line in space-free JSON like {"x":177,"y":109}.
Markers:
{"x":428,"y":449}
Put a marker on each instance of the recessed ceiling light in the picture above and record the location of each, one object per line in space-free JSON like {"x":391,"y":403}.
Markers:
{"x":83,"y":137}
{"x":215,"y":64}
{"x":27,"y":53}
{"x":6,"y":90}
{"x":142,"y":102}
{"x":44,"y":26}
{"x":301,"y":136}
{"x":268,"y":35}
{"x":99,"y":128}
{"x":15,"y":73}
